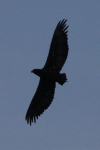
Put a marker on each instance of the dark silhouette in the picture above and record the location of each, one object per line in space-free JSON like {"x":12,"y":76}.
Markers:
{"x":50,"y":73}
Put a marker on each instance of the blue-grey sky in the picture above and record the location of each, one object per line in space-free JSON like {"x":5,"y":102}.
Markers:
{"x":72,"y":122}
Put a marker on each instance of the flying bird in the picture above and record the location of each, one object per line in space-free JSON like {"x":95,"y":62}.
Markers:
{"x":50,"y":73}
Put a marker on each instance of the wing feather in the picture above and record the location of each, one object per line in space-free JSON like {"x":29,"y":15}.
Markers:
{"x":41,"y":100}
{"x":59,"y":47}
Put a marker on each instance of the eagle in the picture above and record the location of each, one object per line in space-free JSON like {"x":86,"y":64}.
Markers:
{"x":50,"y":73}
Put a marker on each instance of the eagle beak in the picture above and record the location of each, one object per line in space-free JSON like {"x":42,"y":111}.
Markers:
{"x":32,"y":71}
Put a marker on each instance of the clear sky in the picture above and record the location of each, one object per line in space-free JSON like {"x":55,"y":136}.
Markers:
{"x":72,"y":122}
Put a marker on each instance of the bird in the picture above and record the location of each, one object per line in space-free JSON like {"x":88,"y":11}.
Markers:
{"x":50,"y":73}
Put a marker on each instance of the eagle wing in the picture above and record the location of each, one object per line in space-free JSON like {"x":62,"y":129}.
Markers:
{"x":41,"y":100}
{"x":59,"y":47}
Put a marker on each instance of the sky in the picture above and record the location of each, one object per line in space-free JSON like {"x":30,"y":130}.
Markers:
{"x":72,"y":122}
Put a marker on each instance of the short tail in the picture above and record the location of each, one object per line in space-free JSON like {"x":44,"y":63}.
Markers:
{"x":62,"y":78}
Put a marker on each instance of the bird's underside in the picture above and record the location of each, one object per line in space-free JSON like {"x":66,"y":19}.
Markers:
{"x":50,"y":73}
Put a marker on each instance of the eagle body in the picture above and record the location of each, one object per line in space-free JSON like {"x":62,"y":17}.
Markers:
{"x":50,"y":73}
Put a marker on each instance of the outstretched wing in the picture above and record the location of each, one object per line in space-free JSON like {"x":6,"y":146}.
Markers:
{"x":59,"y":47}
{"x":41,"y":100}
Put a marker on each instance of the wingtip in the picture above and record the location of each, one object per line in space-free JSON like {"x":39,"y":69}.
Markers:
{"x":63,"y":21}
